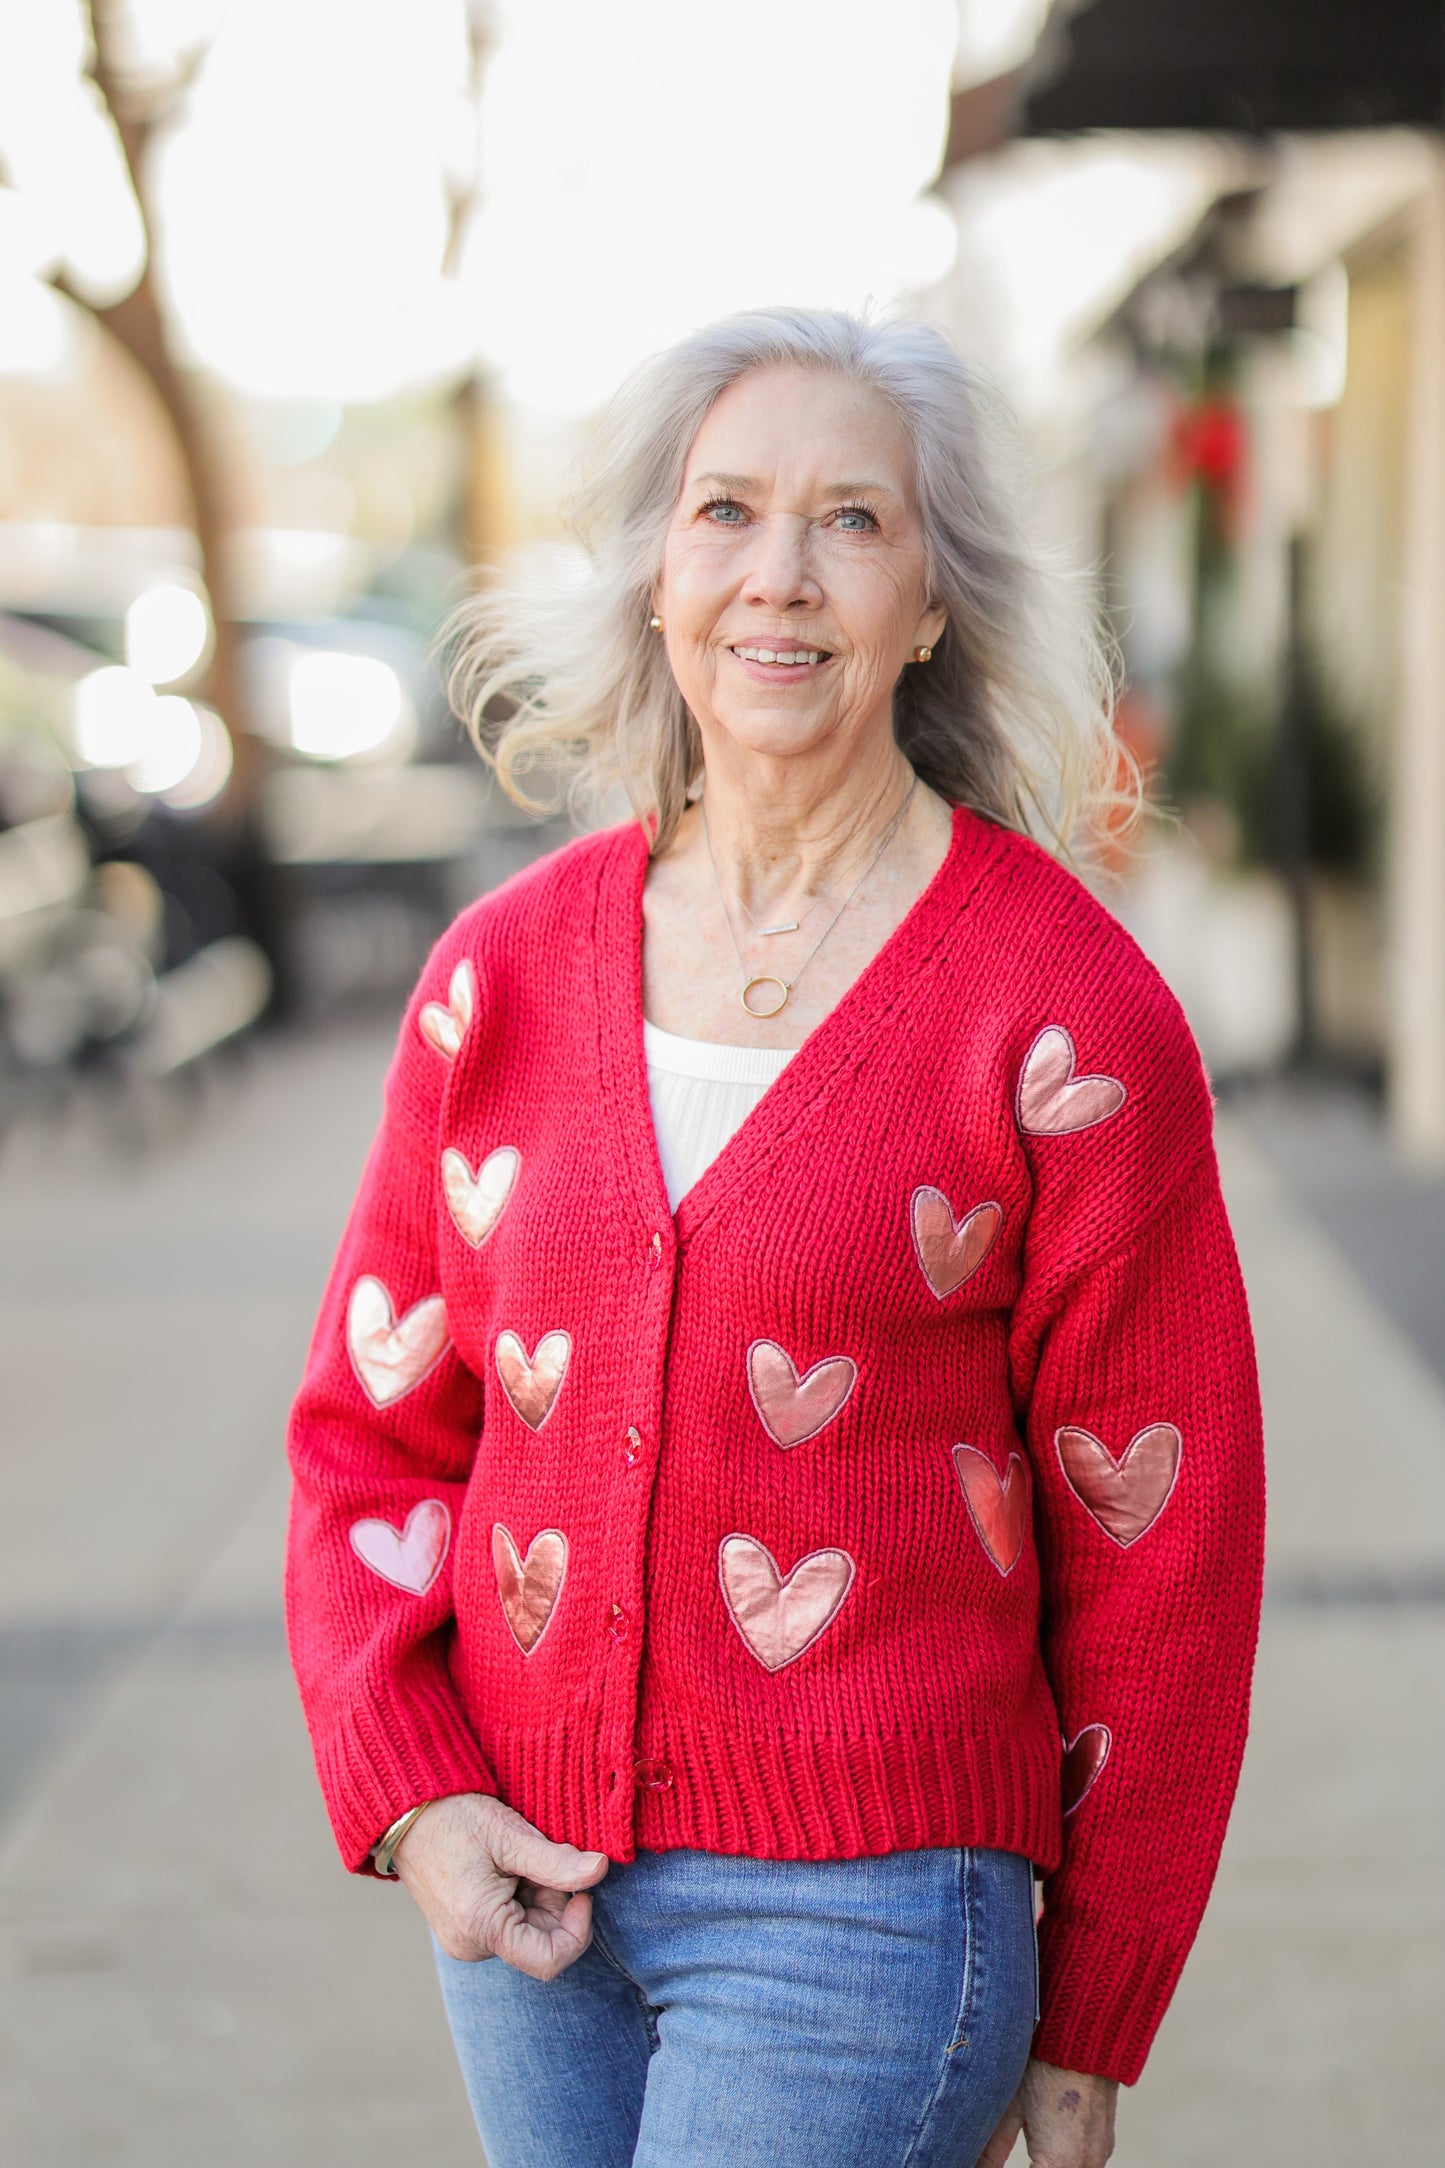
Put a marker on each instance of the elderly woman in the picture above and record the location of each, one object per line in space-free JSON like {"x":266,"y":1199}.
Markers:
{"x":778,"y":1470}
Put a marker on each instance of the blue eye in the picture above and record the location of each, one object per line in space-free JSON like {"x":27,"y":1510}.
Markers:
{"x":723,"y":504}
{"x":858,"y":512}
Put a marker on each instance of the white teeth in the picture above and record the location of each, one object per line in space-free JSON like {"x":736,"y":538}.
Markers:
{"x":768,"y":654}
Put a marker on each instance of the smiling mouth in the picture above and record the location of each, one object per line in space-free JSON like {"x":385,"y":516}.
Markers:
{"x":783,"y":658}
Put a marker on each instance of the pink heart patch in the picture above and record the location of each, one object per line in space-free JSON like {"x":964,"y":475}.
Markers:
{"x":390,"y":1357}
{"x":444,"y":1026}
{"x":532,"y":1382}
{"x":791,"y":1408}
{"x":997,"y":1506}
{"x":780,"y":1615}
{"x":949,"y":1251}
{"x":1125,"y":1496}
{"x":1052,"y":1101}
{"x":529,"y":1587}
{"x":409,"y":1557}
{"x":1084,"y":1758}
{"x":475,"y":1201}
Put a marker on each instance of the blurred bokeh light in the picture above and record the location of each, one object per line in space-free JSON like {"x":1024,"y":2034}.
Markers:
{"x":167,"y":633}
{"x":344,"y":706}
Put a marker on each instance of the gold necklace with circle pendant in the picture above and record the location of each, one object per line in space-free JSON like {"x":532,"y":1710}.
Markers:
{"x":769,"y":978}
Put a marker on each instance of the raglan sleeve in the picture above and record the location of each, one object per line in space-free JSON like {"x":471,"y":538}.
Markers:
{"x":380,"y":1440}
{"x":1135,"y":1365}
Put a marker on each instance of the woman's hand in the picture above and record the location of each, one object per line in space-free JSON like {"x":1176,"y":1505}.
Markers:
{"x":1067,"y":2119}
{"x":491,"y":1885}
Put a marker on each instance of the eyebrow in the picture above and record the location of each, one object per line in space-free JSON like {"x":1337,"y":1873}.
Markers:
{"x":830,"y":489}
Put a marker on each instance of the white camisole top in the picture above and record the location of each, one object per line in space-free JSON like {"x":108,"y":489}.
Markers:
{"x":700,"y":1094}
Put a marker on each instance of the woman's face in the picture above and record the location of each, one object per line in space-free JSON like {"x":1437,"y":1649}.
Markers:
{"x":795,"y":533}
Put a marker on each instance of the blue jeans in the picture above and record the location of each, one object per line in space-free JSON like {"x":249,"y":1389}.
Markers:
{"x":739,"y":2013}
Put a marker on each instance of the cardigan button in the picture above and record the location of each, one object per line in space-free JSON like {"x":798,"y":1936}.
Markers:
{"x":653,"y":1776}
{"x":617,"y":1621}
{"x":633,"y":1446}
{"x":654,"y":1254}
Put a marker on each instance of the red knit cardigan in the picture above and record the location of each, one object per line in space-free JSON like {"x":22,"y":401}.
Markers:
{"x":904,"y":1488}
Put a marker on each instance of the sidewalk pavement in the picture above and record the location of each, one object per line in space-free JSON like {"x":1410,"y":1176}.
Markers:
{"x":187,"y":1975}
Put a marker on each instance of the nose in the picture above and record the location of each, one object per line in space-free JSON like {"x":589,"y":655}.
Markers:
{"x":779,"y":571}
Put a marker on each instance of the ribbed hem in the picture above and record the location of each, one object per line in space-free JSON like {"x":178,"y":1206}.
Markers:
{"x":1103,"y":1997}
{"x":778,"y":1798}
{"x":376,"y":1763}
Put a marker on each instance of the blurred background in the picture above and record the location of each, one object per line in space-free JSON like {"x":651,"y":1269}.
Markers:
{"x":305,"y":308}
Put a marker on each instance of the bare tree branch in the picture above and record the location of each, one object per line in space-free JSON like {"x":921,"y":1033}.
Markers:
{"x":462,"y":202}
{"x":139,"y":107}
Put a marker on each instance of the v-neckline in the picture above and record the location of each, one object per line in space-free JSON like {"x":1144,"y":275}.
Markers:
{"x":823,"y":1053}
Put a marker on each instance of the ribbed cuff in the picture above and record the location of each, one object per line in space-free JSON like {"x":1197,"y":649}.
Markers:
{"x":1103,"y":1996}
{"x":375,"y":1762}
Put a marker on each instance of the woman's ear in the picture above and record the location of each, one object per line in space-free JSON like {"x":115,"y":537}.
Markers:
{"x":931,"y":626}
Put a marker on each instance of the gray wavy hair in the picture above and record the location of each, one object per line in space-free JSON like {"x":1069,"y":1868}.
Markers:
{"x":1013,"y":717}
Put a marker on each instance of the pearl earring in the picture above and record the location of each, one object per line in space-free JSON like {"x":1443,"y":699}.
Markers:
{"x":656,"y":624}
{"x":923,"y":654}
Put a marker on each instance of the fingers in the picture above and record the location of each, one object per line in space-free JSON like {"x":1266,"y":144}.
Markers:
{"x":540,"y":1941}
{"x":492,"y":1885}
{"x":995,"y":2154}
{"x":541,"y":1932}
{"x":457,"y":1943}
{"x":519,"y":1849}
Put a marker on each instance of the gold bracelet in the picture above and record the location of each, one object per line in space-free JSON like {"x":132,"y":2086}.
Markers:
{"x":383,"y":1852}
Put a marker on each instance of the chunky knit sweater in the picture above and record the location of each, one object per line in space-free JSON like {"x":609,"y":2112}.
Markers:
{"x":904,"y":1488}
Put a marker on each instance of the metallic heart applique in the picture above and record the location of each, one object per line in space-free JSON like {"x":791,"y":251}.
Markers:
{"x":1084,"y":1758}
{"x":791,"y":1408}
{"x":409,"y":1557}
{"x":780,"y":1615}
{"x":475,"y":1201}
{"x":529,"y":1587}
{"x":445,"y":1026}
{"x":390,"y":1357}
{"x":1125,"y":1496}
{"x":1052,"y":1101}
{"x":532,"y":1382}
{"x":949,"y":1250}
{"x":998,"y":1506}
